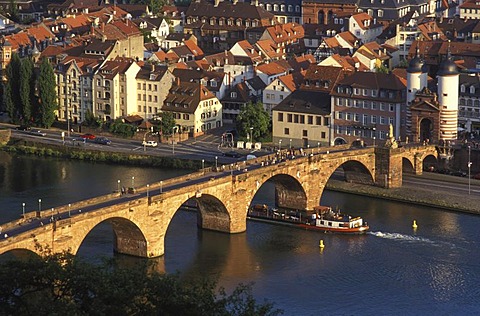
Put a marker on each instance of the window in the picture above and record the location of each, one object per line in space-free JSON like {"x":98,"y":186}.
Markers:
{"x":305,"y":133}
{"x":233,"y":94}
{"x":286,"y":131}
{"x":382,"y":106}
{"x":280,"y":117}
{"x":310,"y":119}
{"x":374,"y":105}
{"x":356,"y":117}
{"x":391,"y":107}
{"x":289,"y":118}
{"x":374,"y":119}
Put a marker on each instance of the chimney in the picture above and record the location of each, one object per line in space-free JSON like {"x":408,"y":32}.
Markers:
{"x":152,"y":67}
{"x":102,"y":26}
{"x":92,"y":29}
{"x":177,"y":81}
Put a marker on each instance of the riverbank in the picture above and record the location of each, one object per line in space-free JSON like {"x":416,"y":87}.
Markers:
{"x":413,"y":194}
{"x":18,"y":146}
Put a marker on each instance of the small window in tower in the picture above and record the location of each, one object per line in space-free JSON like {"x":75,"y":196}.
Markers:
{"x":444,"y":94}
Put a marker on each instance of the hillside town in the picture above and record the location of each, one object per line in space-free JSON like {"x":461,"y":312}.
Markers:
{"x":327,"y":72}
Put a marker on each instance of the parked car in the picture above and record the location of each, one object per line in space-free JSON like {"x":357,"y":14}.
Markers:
{"x":36,"y":132}
{"x":150,"y":143}
{"x":459,"y":173}
{"x":102,"y":140}
{"x":88,"y":136}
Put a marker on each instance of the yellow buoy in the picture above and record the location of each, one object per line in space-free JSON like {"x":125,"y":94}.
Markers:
{"x":414,"y":224}
{"x":321,"y":244}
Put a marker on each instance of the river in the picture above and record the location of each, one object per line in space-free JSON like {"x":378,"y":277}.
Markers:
{"x":393,"y":270}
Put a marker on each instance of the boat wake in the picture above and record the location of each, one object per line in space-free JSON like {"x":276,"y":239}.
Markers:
{"x":401,"y":237}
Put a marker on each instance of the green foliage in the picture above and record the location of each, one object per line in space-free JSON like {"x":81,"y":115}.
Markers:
{"x":60,"y":284}
{"x":91,"y":120}
{"x":13,"y":10}
{"x":382,"y":69}
{"x":253,"y":116}
{"x":27,"y":76}
{"x":123,"y":129}
{"x":12,"y":89}
{"x":165,"y":124}
{"x":47,"y":94}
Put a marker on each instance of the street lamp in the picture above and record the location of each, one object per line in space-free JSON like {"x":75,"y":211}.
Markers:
{"x":39,"y":205}
{"x":118,"y":185}
{"x":373,"y":141}
{"x":280,"y":144}
{"x":133,"y":182}
{"x":290,"y":143}
{"x":148,"y":187}
{"x":216,"y":163}
{"x":203,"y":166}
{"x":251,"y":134}
{"x":175,"y":129}
{"x":318,"y":145}
{"x":161,"y":186}
{"x":469,"y":166}
{"x":69,"y":209}
{"x":23,"y":209}
{"x":231,"y":169}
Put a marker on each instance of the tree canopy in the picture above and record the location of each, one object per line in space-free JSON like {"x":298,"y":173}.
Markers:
{"x":253,"y":120}
{"x":61,"y":284}
{"x":47,"y":94}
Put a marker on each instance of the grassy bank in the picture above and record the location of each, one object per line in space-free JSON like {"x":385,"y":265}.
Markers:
{"x":81,"y":153}
{"x":415,"y":195}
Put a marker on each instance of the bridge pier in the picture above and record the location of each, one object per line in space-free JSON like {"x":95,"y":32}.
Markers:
{"x":388,"y":168}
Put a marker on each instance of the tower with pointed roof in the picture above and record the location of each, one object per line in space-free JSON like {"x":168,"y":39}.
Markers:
{"x":448,"y":81}
{"x":416,"y":81}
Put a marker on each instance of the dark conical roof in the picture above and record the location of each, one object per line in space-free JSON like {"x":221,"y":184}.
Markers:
{"x":415,"y":65}
{"x":447,"y":67}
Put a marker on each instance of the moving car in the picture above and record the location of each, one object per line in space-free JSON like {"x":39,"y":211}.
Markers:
{"x":88,"y":136}
{"x":23,"y":128}
{"x":150,"y":143}
{"x":102,"y":140}
{"x":36,"y":132}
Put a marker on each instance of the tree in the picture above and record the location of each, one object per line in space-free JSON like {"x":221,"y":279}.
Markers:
{"x":61,"y":284}
{"x":27,"y":75}
{"x":382,"y":69}
{"x":12,"y":89}
{"x":167,"y":122}
{"x":47,"y":94}
{"x":121,"y":128}
{"x":253,"y":120}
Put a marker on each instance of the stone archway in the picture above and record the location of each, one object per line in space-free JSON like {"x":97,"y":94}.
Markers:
{"x":407,"y":166}
{"x":426,"y":129}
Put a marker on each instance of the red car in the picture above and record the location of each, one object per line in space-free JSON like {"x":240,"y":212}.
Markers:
{"x":88,"y":136}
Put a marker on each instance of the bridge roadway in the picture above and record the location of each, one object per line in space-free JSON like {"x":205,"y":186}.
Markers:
{"x":223,"y":197}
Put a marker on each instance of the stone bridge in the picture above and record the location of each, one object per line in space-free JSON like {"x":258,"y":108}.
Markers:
{"x":140,"y":220}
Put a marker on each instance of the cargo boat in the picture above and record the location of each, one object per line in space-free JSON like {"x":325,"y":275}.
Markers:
{"x":321,"y":218}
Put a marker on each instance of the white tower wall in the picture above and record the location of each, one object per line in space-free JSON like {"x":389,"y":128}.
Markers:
{"x":448,"y":100}
{"x":415,"y":81}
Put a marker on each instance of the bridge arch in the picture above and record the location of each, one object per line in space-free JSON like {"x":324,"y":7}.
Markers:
{"x":128,"y":237}
{"x":408,"y":165}
{"x":289,"y":192}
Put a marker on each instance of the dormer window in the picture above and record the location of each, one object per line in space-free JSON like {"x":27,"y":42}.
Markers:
{"x":233,"y":95}
{"x":472,"y":89}
{"x":462,"y":88}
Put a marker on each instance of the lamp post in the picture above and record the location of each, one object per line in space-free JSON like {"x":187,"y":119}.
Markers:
{"x":148,"y":187}
{"x":161,"y":186}
{"x":280,"y":144}
{"x":318,"y":146}
{"x":374,"y":135}
{"x":39,"y":205}
{"x":290,"y":147}
{"x":69,"y":209}
{"x":373,"y":141}
{"x":216,"y":163}
{"x":175,"y":129}
{"x":251,"y":134}
{"x":133,"y":182}
{"x":469,"y":167}
{"x":23,"y":209}
{"x":118,"y":185}
{"x":203,"y":166}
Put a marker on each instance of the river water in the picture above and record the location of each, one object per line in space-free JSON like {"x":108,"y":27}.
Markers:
{"x":393,"y":270}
